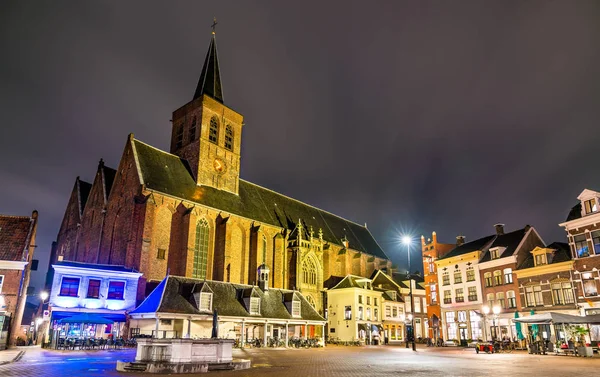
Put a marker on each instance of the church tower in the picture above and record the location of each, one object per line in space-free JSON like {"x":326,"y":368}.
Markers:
{"x":207,"y":133}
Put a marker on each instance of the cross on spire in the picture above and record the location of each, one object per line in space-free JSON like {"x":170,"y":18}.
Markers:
{"x":214,"y":25}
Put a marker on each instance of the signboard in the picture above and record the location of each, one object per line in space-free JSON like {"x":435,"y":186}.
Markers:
{"x":46,"y":315}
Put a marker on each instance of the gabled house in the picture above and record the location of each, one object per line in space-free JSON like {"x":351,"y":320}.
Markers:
{"x":185,"y":307}
{"x":583,"y":234}
{"x":17,"y":244}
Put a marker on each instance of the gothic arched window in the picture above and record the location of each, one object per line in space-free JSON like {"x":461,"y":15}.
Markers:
{"x":201,"y":250}
{"x":309,"y":272}
{"x":229,"y":137}
{"x":213,"y":131}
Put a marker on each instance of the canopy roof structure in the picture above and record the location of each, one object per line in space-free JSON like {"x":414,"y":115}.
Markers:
{"x":87,"y":318}
{"x":558,"y":318}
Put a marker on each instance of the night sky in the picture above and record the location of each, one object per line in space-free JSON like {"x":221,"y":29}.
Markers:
{"x":409,"y":116}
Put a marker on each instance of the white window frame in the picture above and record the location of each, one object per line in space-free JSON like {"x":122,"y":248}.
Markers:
{"x":116,"y":281}
{"x":296,"y":308}
{"x":210,"y":298}
{"x":1,"y":282}
{"x":254,"y":301}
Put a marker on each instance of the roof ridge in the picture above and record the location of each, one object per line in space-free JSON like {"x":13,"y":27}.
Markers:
{"x":265,"y":188}
{"x":16,"y":217}
{"x":299,"y":201}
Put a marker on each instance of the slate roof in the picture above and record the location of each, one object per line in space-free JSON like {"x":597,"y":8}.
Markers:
{"x":95,"y":266}
{"x":14,"y":237}
{"x":350,"y":281}
{"x":508,"y":240}
{"x":169,"y":174}
{"x":468,"y":247}
{"x":575,"y":212}
{"x":210,"y":78}
{"x":175,"y":295}
{"x":562,"y":254}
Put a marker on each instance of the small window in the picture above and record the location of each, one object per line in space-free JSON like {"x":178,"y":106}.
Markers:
{"x":470,"y":274}
{"x":590,"y":206}
{"x":511,"y":299}
{"x":394,"y":312}
{"x":472,"y":293}
{"x":497,"y":277}
{"x":255,"y":305}
{"x":213,"y":131}
{"x":460,"y":295}
{"x":229,"y":137}
{"x":448,"y":297}
{"x":69,"y":287}
{"x":332,"y":329}
{"x":375,"y":301}
{"x":508,"y":276}
{"x":93,"y":288}
{"x":495,"y":253}
{"x":446,"y":278}
{"x":500,"y":299}
{"x":368,"y":314}
{"x":368,"y":300}
{"x":296,"y":305}
{"x":360,"y":299}
{"x":161,"y":254}
{"x":581,"y":246}
{"x":360,"y":313}
{"x":179,"y":136}
{"x":540,"y":259}
{"x":348,"y":313}
{"x":490,"y":300}
{"x":375,"y":314}
{"x":205,"y":301}
{"x":388,"y":312}
{"x":34,"y":264}
{"x":116,"y":289}
{"x":457,"y":277}
{"x":488,"y":279}
{"x":192,"y":135}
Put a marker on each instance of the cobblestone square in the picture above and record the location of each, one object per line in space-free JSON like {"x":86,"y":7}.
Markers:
{"x":331,"y":361}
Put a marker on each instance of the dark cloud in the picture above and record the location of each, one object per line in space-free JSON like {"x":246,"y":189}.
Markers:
{"x":419,"y":116}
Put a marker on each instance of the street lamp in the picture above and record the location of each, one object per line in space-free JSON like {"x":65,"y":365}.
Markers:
{"x":486,"y":310}
{"x":44,"y":296}
{"x":495,"y":310}
{"x":407,"y":240}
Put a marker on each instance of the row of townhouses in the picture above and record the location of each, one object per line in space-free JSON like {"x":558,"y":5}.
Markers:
{"x":474,"y":289}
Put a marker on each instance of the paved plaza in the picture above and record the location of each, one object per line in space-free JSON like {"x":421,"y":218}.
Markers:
{"x":332,"y":361}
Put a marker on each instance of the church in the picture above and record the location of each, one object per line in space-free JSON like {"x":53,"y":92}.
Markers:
{"x":186,"y":212}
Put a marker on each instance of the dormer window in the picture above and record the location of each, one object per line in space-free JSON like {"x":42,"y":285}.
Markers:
{"x":590,"y":206}
{"x":296,"y":305}
{"x":205,"y":302}
{"x":495,"y":253}
{"x":255,"y":305}
{"x":540,"y":259}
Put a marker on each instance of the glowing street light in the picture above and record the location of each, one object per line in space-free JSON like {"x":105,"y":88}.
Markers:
{"x":407,"y":240}
{"x":44,"y":296}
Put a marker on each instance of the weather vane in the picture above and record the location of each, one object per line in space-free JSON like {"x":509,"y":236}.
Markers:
{"x":214,"y":25}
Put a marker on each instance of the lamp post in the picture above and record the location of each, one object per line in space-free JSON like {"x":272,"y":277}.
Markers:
{"x":39,"y":321}
{"x":407,"y":240}
{"x":495,"y":310}
{"x":486,"y":310}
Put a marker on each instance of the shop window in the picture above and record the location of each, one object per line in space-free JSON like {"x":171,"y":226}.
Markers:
{"x":69,"y":287}
{"x":116,"y":289}
{"x":93,"y":288}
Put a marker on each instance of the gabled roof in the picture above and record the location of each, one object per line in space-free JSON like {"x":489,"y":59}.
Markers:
{"x":175,"y":295}
{"x":575,"y":212}
{"x":210,"y":78}
{"x":169,"y":174}
{"x":562,"y":253}
{"x":510,"y":241}
{"x":15,"y":233}
{"x":83,"y":192}
{"x":478,"y":244}
{"x":349,"y":281}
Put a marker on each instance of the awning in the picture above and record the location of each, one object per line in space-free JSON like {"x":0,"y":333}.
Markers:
{"x":107,"y":318}
{"x":558,"y":318}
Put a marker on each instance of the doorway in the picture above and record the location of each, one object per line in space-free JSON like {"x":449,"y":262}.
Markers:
{"x":463,"y":336}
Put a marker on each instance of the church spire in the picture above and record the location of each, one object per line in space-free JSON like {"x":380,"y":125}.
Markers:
{"x":210,"y":78}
